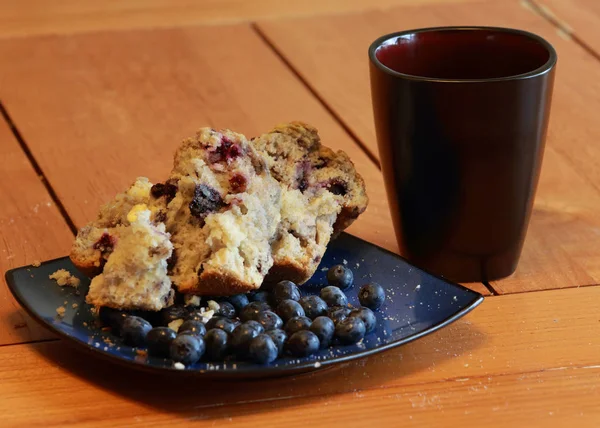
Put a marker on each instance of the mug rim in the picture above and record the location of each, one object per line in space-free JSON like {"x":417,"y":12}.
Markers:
{"x":543,"y":69}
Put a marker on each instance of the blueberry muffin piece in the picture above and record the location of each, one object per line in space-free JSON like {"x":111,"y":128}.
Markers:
{"x":222,"y":209}
{"x":322,"y":194}
{"x":95,"y":241}
{"x":135,"y":274}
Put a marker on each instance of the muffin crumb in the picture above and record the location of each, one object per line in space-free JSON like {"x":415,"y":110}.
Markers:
{"x":36,"y":263}
{"x":175,"y":324}
{"x":192,"y":300}
{"x":60,"y":311}
{"x":64,"y":278}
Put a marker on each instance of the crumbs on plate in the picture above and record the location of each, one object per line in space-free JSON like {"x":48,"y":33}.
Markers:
{"x":64,"y":278}
{"x":60,"y":311}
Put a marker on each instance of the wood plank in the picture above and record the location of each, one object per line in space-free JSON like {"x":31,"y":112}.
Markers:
{"x":31,"y":228}
{"x":29,"y":17}
{"x":577,"y":18}
{"x":107,"y":107}
{"x":546,"y":399}
{"x":502,"y":360}
{"x":563,"y":240}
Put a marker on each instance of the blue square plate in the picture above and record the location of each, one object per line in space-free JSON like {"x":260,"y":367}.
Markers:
{"x":417,"y":303}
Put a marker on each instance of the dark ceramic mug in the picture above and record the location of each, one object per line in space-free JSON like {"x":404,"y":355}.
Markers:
{"x":461,"y":115}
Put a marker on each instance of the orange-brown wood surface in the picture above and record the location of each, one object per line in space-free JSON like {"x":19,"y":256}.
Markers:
{"x":100,"y":95}
{"x":108,"y":107}
{"x":31,"y":228}
{"x":97,"y":110}
{"x":579,"y":19}
{"x":117,"y":125}
{"x":27,"y":17}
{"x":561,"y":246}
{"x":500,"y":363}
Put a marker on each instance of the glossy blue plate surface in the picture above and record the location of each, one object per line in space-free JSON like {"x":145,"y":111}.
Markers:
{"x":417,"y":303}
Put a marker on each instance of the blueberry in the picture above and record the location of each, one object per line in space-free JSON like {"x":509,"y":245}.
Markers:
{"x":313,"y":306}
{"x":187,"y":349}
{"x":166,"y":189}
{"x":269,"y":320}
{"x":239,"y":301}
{"x":159,"y":341}
{"x":371,"y":296}
{"x":324,"y":328}
{"x":172,"y":313}
{"x":152,"y":317}
{"x":226,"y":310}
{"x":222,"y":323}
{"x":279,"y":337}
{"x":340,"y":276}
{"x":302,"y":343}
{"x":216,"y":341}
{"x":134,"y":331}
{"x":367,"y":316}
{"x":238,"y":182}
{"x":337,"y":187}
{"x":333,"y":296}
{"x":206,"y":200}
{"x":251,"y":311}
{"x":243,"y":334}
{"x":296,"y":324}
{"x":350,"y":330}
{"x":289,"y":309}
{"x":255,"y":325}
{"x":226,"y":152}
{"x":338,"y":313}
{"x":285,"y":290}
{"x":262,"y":349}
{"x":112,"y":318}
{"x":194,"y":316}
{"x":260,"y":296}
{"x":192,"y":327}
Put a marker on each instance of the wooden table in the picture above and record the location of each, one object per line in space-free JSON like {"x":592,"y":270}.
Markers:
{"x":95,"y":93}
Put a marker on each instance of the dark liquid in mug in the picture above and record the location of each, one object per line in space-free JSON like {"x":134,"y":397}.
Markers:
{"x":461,"y":55}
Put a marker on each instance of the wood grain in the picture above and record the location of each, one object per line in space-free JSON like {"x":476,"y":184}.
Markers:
{"x":31,"y":228}
{"x":577,"y":18}
{"x":561,"y":249}
{"x":107,"y":107}
{"x":29,"y":17}
{"x":546,"y":399}
{"x":499,"y":365}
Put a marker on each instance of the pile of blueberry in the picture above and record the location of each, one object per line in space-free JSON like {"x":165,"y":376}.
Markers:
{"x":257,"y":327}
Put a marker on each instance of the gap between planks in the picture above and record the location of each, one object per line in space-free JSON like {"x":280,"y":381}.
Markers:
{"x":451,"y":380}
{"x":456,"y":379}
{"x":313,"y":91}
{"x":38,"y":170}
{"x":337,"y":117}
{"x":567,"y":31}
{"x":268,"y":42}
{"x":539,"y":290}
{"x":31,"y":342}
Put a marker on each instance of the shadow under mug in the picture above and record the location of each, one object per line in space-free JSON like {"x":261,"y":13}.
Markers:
{"x":461,"y":115}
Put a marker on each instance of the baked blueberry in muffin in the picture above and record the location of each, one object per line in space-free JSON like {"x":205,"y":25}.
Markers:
{"x":322,"y":194}
{"x":231,"y":215}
